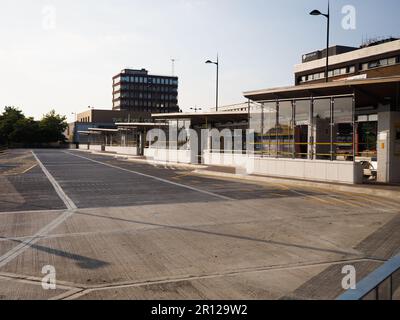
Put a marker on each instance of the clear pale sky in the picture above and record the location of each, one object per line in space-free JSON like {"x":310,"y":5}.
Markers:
{"x":68,"y":63}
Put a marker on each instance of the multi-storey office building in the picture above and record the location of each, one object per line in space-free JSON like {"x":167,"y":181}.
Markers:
{"x":373,"y":60}
{"x":138,"y":91}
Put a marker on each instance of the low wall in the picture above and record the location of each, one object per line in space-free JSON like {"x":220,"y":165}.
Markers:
{"x":96,"y":147}
{"x":175,"y":156}
{"x":314,"y":170}
{"x":317,"y":170}
{"x":123,"y":150}
{"x":83,"y":147}
{"x":225,"y":159}
{"x":149,"y":152}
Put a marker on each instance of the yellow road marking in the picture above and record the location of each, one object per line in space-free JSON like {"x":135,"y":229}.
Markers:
{"x":304,"y":194}
{"x":378,"y":200}
{"x":182,"y":176}
{"x":19,"y":173}
{"x":278,"y":194}
{"x":29,"y":169}
{"x":366,"y":198}
{"x":346,"y":202}
{"x":329,"y":195}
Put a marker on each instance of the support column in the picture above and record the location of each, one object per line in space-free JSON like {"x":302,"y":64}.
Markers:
{"x":388,"y":145}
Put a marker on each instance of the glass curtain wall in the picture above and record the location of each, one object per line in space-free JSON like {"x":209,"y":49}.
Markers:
{"x":302,"y":117}
{"x":343,"y":129}
{"x":129,"y":137}
{"x":320,"y":128}
{"x":256,"y":125}
{"x":184,"y":134}
{"x":285,"y":130}
{"x":172,"y":134}
{"x":269,"y":141}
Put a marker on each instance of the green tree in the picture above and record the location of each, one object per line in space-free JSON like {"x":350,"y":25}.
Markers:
{"x":52,"y":127}
{"x":8,"y":122}
{"x":25,"y":131}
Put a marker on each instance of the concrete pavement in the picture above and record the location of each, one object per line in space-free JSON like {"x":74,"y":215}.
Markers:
{"x":144,"y":231}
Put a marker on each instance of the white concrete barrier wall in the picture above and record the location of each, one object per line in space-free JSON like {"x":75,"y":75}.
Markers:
{"x":149,"y":152}
{"x":174,"y":156}
{"x":317,"y":170}
{"x":225,"y":159}
{"x":123,"y":150}
{"x":83,"y":147}
{"x":95,"y":147}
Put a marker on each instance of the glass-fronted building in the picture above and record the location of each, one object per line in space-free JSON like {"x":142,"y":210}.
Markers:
{"x":306,"y":128}
{"x":354,"y":121}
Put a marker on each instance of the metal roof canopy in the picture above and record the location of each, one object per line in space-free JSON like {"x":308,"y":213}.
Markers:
{"x":375,"y":89}
{"x":88,"y":133}
{"x":100,"y":130}
{"x":142,"y":125}
{"x":206,"y":117}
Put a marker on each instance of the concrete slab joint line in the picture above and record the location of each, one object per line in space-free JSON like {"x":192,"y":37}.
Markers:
{"x":115,"y":286}
{"x":26,"y":244}
{"x":154,"y":178}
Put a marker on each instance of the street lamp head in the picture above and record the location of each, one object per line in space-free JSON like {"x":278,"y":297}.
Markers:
{"x":209,"y":61}
{"x":316,"y":13}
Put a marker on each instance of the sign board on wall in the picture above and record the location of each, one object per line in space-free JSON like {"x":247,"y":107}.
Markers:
{"x":383,"y":136}
{"x":383,"y":139}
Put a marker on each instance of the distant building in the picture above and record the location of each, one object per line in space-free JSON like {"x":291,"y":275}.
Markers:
{"x":101,"y":119}
{"x":111,"y":116}
{"x":138,"y":91}
{"x":239,"y":107}
{"x":372,"y":60}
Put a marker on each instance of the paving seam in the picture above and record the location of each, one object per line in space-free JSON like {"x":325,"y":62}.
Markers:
{"x":90,"y":289}
{"x":31,"y":212}
{"x":38,"y":282}
{"x":149,"y":229}
{"x":64,"y":284}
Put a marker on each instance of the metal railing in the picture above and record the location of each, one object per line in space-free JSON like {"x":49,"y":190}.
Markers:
{"x":382,"y":284}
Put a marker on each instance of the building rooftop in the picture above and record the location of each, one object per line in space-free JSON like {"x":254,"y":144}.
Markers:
{"x":134,"y":71}
{"x":205,"y":117}
{"x":350,"y":55}
{"x":377,"y":87}
{"x":333,"y":51}
{"x":142,"y":72}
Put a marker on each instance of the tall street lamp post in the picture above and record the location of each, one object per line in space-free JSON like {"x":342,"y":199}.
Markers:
{"x":319,"y":13}
{"x":217,"y":94}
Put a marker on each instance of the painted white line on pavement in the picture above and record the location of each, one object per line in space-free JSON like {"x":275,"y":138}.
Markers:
{"x":154,"y":178}
{"x":26,"y":244}
{"x":67,"y":201}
